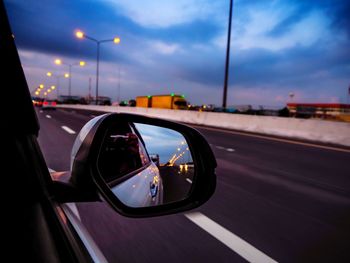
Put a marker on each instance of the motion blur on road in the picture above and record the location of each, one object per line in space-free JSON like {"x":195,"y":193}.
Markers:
{"x":277,"y":201}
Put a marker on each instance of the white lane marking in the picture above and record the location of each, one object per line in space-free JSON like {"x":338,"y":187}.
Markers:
{"x":48,"y":116}
{"x":189,"y":180}
{"x":67,"y":129}
{"x":41,"y":111}
{"x":234,"y":242}
{"x":277,"y":139}
{"x":223,"y":148}
{"x":74,"y":209}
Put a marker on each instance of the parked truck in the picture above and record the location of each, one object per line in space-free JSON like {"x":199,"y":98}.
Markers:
{"x":169,"y":101}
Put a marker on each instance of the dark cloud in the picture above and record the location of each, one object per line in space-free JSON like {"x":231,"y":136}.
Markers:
{"x":336,"y":10}
{"x":50,"y":29}
{"x":286,"y":24}
{"x":260,"y":67}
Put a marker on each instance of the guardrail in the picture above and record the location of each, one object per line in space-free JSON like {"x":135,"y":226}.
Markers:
{"x":306,"y":129}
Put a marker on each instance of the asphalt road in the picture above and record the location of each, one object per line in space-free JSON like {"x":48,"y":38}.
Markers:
{"x":286,"y":200}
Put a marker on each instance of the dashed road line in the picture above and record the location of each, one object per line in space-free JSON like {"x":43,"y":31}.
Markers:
{"x":238,"y":245}
{"x":48,"y":116}
{"x":67,"y":129}
{"x":220,"y":147}
{"x":223,"y":148}
{"x":189,"y":180}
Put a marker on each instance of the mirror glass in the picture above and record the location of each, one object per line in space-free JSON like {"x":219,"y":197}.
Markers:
{"x":146,"y":165}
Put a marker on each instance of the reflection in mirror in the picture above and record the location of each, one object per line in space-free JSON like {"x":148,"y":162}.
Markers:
{"x":146,"y":165}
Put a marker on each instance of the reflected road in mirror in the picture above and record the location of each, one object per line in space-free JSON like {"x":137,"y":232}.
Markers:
{"x":146,"y":165}
{"x":176,"y":166}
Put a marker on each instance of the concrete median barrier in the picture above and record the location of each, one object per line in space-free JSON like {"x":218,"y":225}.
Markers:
{"x":305,"y":129}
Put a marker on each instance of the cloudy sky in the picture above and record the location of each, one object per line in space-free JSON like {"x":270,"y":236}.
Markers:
{"x":277,"y":48}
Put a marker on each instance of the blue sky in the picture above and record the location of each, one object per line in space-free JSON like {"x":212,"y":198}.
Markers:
{"x":277,"y":48}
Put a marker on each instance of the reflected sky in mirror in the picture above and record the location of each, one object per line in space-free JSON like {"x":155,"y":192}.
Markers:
{"x":170,"y":145}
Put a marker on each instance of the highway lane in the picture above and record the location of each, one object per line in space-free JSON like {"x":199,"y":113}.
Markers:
{"x":290,"y":201}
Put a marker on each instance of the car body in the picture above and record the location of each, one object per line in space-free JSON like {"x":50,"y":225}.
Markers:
{"x":37,"y":101}
{"x":49,"y":104}
{"x":130,"y":172}
{"x":147,"y":186}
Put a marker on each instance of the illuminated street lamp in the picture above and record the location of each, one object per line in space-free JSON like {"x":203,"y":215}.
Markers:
{"x":80,"y":63}
{"x":50,"y":74}
{"x":81,"y":35}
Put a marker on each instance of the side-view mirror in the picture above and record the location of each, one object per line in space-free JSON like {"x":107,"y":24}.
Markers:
{"x":143,"y":166}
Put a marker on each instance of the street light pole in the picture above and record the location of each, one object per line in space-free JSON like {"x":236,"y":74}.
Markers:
{"x":58,"y":86}
{"x":118,"y":84}
{"x":50,"y":74}
{"x":70,"y":80}
{"x":97,"y":69}
{"x":227,"y":64}
{"x":116,"y":40}
{"x":80,"y":63}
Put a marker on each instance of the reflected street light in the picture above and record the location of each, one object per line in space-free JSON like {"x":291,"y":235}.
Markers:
{"x":80,"y":63}
{"x":81,"y":35}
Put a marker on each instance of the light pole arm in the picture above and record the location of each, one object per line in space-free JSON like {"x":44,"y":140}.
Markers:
{"x":98,"y":42}
{"x":91,"y":38}
{"x":107,"y":40}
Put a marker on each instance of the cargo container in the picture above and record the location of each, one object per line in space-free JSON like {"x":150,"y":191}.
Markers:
{"x":169,"y":101}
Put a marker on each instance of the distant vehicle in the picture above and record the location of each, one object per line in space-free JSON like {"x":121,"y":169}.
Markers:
{"x":207,"y":107}
{"x":49,"y":104}
{"x":65,"y":99}
{"x":37,"y":101}
{"x":169,"y":101}
{"x":227,"y":110}
{"x":102,"y":100}
{"x":132,"y":103}
{"x":123,"y":103}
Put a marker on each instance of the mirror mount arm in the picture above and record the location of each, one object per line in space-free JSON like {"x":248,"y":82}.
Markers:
{"x":65,"y":192}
